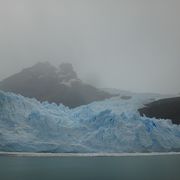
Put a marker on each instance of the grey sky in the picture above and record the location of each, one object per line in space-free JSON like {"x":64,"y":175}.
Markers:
{"x":126,"y":44}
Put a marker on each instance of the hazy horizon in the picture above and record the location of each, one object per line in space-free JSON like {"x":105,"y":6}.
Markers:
{"x":127,"y":44}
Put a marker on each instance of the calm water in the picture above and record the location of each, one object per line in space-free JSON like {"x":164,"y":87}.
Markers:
{"x":166,"y":167}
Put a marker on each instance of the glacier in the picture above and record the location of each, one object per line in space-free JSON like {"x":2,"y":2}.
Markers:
{"x":110,"y":126}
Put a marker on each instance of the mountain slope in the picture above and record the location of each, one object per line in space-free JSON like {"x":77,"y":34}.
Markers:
{"x":47,"y":83}
{"x":168,"y":108}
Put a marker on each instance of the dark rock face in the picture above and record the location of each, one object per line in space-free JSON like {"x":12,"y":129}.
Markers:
{"x":67,"y":72}
{"x":165,"y":109}
{"x":48,"y":83}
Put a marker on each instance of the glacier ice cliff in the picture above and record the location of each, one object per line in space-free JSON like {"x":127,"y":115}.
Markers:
{"x":112,"y":125}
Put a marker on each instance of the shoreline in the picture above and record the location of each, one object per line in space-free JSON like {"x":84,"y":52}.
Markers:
{"x":31,"y":154}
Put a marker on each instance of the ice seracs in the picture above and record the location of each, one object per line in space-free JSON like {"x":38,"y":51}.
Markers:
{"x":112,"y":125}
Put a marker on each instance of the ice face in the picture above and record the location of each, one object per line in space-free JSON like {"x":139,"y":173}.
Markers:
{"x":113,"y":125}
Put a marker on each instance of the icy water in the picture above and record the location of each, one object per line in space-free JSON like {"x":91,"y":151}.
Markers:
{"x":159,"y":167}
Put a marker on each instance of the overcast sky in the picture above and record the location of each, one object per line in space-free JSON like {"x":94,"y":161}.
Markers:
{"x":127,"y":44}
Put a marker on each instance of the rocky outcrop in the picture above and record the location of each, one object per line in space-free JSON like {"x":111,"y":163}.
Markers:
{"x":165,"y":109}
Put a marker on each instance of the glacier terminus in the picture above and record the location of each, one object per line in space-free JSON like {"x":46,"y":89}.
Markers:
{"x":109,"y":126}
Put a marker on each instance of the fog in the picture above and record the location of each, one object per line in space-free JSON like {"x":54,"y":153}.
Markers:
{"x":127,"y":44}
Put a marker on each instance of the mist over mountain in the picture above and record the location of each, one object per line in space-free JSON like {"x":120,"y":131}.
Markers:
{"x":53,"y":84}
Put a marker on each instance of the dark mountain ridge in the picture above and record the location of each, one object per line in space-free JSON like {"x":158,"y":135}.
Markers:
{"x":164,"y":109}
{"x":48,"y":83}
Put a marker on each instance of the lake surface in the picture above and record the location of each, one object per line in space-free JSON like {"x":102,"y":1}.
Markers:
{"x":158,"y":167}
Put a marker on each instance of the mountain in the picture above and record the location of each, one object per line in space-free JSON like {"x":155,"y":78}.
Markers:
{"x":168,"y":108}
{"x":48,"y":83}
{"x":112,"y":125}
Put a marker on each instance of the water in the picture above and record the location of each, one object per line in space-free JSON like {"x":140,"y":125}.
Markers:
{"x":164,"y":167}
